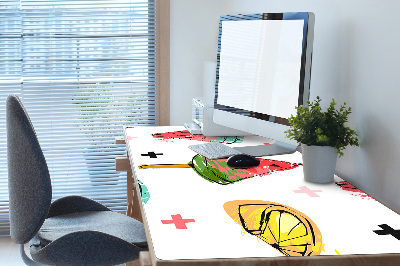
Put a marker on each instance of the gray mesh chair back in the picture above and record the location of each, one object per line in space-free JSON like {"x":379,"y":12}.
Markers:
{"x":28,"y":176}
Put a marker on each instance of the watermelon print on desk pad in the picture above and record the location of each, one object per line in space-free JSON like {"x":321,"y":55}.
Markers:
{"x":217,"y":171}
{"x":185,"y":134}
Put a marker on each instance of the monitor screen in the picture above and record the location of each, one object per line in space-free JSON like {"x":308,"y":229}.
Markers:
{"x":260,"y":67}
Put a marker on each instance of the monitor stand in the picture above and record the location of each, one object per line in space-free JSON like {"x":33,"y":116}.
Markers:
{"x":276,"y":148}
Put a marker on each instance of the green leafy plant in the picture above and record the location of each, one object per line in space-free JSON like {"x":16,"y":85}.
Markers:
{"x":312,"y":126}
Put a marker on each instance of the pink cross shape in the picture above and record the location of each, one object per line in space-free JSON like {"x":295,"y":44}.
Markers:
{"x":130,"y":138}
{"x":310,"y":192}
{"x":178,"y":221}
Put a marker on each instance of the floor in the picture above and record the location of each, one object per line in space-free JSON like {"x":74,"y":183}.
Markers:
{"x":9,"y":253}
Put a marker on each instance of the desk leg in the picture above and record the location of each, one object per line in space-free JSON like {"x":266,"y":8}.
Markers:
{"x":133,"y":263}
{"x":133,"y":198}
{"x":144,"y":260}
{"x":129,"y":192}
{"x":133,"y":211}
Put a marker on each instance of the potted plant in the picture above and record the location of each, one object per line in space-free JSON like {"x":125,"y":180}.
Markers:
{"x":99,"y":108}
{"x":323,"y":135}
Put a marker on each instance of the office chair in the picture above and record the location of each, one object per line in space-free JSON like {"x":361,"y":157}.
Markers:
{"x":70,"y":231}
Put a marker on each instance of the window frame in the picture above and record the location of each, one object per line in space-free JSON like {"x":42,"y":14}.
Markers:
{"x":163,"y":36}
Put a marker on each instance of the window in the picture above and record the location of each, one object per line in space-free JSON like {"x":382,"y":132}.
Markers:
{"x":83,"y":69}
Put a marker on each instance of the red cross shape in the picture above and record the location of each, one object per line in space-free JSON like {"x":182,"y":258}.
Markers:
{"x":178,"y":221}
{"x":310,"y":192}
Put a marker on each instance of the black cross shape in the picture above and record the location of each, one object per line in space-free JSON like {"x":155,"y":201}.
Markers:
{"x":152,"y":154}
{"x":387,"y":230}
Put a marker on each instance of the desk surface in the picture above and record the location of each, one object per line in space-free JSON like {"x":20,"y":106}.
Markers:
{"x":268,"y":211}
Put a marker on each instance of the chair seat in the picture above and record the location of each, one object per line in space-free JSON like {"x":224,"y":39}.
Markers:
{"x":108,"y":222}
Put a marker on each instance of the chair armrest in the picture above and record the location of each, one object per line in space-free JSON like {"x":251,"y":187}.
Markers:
{"x":72,"y":204}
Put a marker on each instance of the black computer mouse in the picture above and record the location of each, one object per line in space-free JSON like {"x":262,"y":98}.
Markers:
{"x":242,"y":160}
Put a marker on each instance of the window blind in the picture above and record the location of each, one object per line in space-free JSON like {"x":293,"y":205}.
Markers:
{"x":83,"y":69}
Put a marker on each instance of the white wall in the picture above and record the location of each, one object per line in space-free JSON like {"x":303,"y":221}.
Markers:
{"x":194,"y":41}
{"x":356,"y":60}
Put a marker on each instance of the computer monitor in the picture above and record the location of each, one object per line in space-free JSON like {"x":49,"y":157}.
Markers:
{"x":263,"y":73}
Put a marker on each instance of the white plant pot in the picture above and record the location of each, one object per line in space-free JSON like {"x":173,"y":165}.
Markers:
{"x":319,"y":163}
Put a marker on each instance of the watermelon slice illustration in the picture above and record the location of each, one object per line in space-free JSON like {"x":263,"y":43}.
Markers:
{"x":217,"y":171}
{"x":185,"y":134}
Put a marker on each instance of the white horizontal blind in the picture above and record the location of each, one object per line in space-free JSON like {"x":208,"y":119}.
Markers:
{"x":10,"y":82}
{"x":83,"y":69}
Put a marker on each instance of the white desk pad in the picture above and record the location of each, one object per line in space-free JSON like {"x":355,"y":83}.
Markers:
{"x":204,"y":211}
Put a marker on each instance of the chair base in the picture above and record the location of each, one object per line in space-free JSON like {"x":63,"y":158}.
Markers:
{"x":26,"y":259}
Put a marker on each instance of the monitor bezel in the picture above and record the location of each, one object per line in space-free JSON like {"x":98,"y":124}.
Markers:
{"x":305,"y":69}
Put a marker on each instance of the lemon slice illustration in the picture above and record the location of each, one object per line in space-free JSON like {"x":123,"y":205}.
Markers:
{"x":286,"y":229}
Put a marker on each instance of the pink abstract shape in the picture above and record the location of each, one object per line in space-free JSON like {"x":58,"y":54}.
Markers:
{"x":308,"y":191}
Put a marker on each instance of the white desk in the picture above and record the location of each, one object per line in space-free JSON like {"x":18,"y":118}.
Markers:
{"x":192,"y":220}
